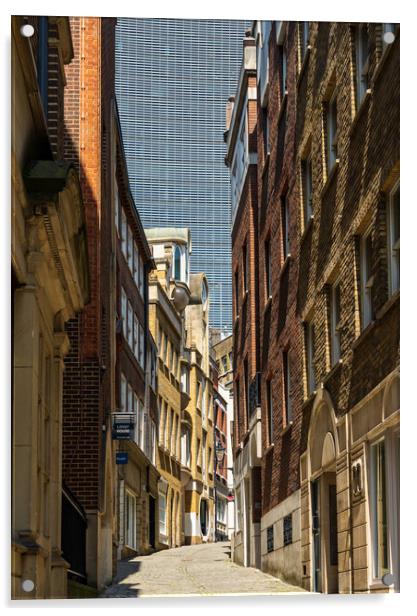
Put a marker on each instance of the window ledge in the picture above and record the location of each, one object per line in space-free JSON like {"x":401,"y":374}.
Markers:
{"x":287,"y":428}
{"x":245,"y":297}
{"x":330,"y":176}
{"x":303,"y":65}
{"x":268,"y":304}
{"x":391,"y":301}
{"x":382,"y":60}
{"x":332,"y":371}
{"x":266,"y":163}
{"x":309,"y":398}
{"x":285,"y":265}
{"x":269,"y":449}
{"x":360,"y":110}
{"x":282,"y":106}
{"x":364,"y":333}
{"x":236,"y":321}
{"x":307,"y":228}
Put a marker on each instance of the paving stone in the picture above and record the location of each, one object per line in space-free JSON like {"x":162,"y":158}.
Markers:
{"x":192,"y":570}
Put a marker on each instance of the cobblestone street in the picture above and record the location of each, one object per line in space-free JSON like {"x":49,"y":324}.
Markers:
{"x":192,"y":570}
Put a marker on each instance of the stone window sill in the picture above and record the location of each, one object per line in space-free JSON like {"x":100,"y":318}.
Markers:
{"x":364,"y":334}
{"x":330,"y":176}
{"x":307,"y":228}
{"x":360,"y":111}
{"x":282,"y":106}
{"x":303,"y":65}
{"x":269,"y":449}
{"x":287,"y":428}
{"x":285,"y":265}
{"x":332,"y":370}
{"x":268,"y":304}
{"x":391,"y":301}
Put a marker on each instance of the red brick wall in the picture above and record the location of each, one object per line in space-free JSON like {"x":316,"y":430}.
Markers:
{"x":280,"y":327}
{"x":88,"y":373}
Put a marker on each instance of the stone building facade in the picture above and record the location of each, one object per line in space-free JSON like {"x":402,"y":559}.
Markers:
{"x":168,"y":298}
{"x":197,"y":427}
{"x":50,"y":284}
{"x":241,"y":158}
{"x":329,"y":247}
{"x":135,"y":371}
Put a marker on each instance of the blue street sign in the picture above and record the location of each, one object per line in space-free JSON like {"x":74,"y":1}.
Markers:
{"x":121,"y":457}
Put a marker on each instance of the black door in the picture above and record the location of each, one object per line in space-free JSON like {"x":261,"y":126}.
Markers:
{"x":203,"y":516}
{"x":151,"y":521}
{"x":315,"y":522}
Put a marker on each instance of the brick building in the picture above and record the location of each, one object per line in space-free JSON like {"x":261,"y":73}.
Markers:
{"x":135,"y":370}
{"x":280,"y":333}
{"x":241,"y":158}
{"x":88,"y":465}
{"x":348,"y":162}
{"x":50,"y":284}
{"x":328,"y":287}
{"x":223,"y":357}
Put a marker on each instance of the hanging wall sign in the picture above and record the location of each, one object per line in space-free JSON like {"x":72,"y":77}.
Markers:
{"x":123,"y":427}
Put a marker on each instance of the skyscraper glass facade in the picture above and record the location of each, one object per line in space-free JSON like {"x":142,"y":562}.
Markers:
{"x":173,"y":79}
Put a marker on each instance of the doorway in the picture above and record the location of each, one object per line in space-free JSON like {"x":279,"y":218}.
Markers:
{"x":151,"y":521}
{"x":324,"y":533}
{"x":203,"y":517}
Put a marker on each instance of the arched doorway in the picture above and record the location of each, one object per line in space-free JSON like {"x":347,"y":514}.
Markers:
{"x":322,"y":453}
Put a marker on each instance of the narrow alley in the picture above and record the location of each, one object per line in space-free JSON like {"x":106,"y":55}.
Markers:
{"x":204,"y":569}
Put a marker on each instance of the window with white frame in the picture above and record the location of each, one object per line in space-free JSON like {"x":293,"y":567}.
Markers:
{"x":335,"y":325}
{"x":123,"y":393}
{"x":124,"y":233}
{"x":116,"y":206}
{"x":379,"y":514}
{"x":282,"y":69}
{"x":162,"y":419}
{"x":388,"y":35}
{"x":141,"y":422}
{"x":171,"y":430}
{"x":136,"y":264}
{"x":141,"y":276}
{"x":307,"y":187}
{"x":162,"y":505}
{"x":153,"y":442}
{"x":362,"y":62}
{"x":129,"y":334}
{"x":130,"y":248}
{"x":366,"y":278}
{"x":287,"y":387}
{"x":141,"y":347}
{"x":136,"y":412}
{"x":129,"y":402}
{"x":130,"y":518}
{"x":136,"y":336}
{"x":186,"y":446}
{"x":203,"y":465}
{"x":309,"y":336}
{"x":263,"y":59}
{"x":331,"y":132}
{"x":240,"y":159}
{"x":304,"y":33}
{"x":285,"y":226}
{"x":394,"y":239}
{"x":124,"y":312}
{"x":270,"y":412}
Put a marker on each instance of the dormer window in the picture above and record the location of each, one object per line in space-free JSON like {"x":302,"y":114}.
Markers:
{"x":177,"y":263}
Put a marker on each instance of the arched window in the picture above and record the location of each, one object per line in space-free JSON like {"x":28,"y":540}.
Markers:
{"x":177,"y":263}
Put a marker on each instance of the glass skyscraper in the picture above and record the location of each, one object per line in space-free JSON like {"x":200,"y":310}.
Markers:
{"x":173,"y":79}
